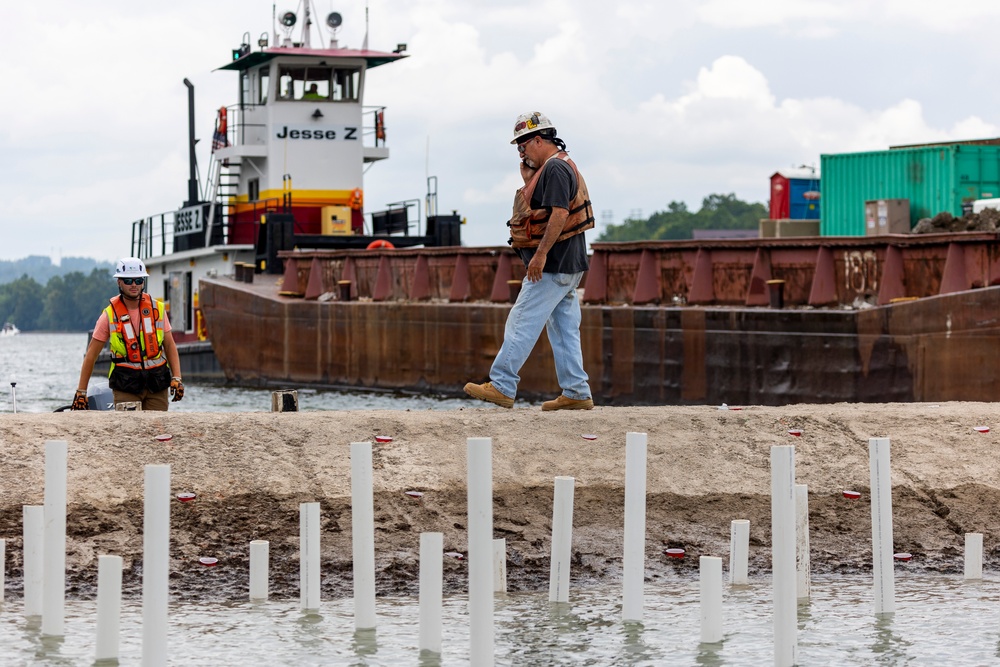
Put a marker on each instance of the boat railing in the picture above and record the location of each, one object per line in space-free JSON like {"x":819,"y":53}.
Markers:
{"x":154,"y":236}
{"x":240,"y":131}
{"x":373,"y":125}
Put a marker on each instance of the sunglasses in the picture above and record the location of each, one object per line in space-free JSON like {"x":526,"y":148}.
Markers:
{"x":130,"y":281}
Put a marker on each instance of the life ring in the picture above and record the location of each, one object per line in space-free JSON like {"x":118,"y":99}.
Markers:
{"x":379,"y":243}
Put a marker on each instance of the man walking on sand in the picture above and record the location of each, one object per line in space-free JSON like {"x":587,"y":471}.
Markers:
{"x":551,"y":213}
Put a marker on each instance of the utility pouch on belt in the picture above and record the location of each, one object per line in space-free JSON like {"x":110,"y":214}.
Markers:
{"x":128,"y":380}
{"x":158,"y":379}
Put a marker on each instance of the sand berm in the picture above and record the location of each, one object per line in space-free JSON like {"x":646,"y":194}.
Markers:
{"x":706,"y":467}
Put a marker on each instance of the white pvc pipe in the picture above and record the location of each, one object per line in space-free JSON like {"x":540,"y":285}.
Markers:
{"x":881,"y":484}
{"x":363,"y":534}
{"x":109,"y":607}
{"x":973,"y":555}
{"x":480,"y":508}
{"x":710,"y":588}
{"x":34,"y":547}
{"x":54,"y":557}
{"x":803,"y":580}
{"x":431,"y":548}
{"x":500,"y":565}
{"x":155,"y":565}
{"x":783,"y":554}
{"x":260,"y":556}
{"x":309,"y":556}
{"x":739,"y":552}
{"x":562,"y":539}
{"x":634,"y":557}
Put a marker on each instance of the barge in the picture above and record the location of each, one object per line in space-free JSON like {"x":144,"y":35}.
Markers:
{"x":756,"y":321}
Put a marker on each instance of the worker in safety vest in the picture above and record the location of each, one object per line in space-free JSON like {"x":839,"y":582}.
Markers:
{"x":551,"y":213}
{"x":145,"y":365}
{"x":313,"y":93}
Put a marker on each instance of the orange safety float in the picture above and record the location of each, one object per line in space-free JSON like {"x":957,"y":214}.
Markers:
{"x":357,"y":199}
{"x":379,"y":243}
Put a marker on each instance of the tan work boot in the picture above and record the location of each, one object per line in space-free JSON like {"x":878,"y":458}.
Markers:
{"x":566,"y":403}
{"x":487,"y":392}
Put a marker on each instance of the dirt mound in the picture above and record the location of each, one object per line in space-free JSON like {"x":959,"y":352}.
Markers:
{"x":706,"y":467}
{"x":984,"y":221}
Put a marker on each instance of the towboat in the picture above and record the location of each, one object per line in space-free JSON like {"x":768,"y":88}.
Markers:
{"x":286,"y":171}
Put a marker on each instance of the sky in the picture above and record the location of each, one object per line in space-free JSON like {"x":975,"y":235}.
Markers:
{"x":657,"y":100}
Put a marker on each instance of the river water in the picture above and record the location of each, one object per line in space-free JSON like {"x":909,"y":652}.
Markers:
{"x":45,"y":369}
{"x":940,"y":619}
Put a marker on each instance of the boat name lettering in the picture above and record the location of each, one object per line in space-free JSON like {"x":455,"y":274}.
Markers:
{"x":861,"y":273}
{"x":188,"y":220}
{"x":322,"y":133}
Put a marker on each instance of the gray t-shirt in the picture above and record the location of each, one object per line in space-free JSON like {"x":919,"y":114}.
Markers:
{"x":556,"y":188}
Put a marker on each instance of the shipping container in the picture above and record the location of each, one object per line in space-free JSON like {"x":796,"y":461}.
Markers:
{"x":795,"y":194}
{"x":933,"y":178}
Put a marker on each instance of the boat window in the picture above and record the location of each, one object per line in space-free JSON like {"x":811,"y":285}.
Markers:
{"x":347,"y":84}
{"x":245,"y":97}
{"x":262,"y":88}
{"x":318,"y":83}
{"x":305,"y":83}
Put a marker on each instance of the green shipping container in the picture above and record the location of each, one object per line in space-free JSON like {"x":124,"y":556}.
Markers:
{"x":933,"y":178}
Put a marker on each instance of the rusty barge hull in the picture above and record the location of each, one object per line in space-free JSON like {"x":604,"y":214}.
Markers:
{"x":430,"y":320}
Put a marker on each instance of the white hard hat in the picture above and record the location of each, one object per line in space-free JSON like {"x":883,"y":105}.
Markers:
{"x":531,"y":123}
{"x":130,"y":267}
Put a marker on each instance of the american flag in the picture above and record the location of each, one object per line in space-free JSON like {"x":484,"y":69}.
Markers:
{"x":219,"y":139}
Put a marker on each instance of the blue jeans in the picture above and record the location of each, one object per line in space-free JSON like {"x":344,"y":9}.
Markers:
{"x":551,"y":302}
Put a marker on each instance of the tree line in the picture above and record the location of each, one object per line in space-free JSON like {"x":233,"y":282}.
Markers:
{"x":69,"y":302}
{"x":677,"y":222}
{"x":41,"y":268}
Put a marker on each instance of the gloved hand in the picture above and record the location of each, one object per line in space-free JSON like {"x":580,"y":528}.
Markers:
{"x":80,"y":401}
{"x":176,"y":389}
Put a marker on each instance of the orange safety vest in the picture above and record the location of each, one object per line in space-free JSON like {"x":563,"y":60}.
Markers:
{"x":142,"y":349}
{"x":527,"y":225}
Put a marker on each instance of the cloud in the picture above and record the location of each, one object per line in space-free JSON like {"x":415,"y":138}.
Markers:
{"x":657,"y":101}
{"x":965,"y":17}
{"x":735,"y":14}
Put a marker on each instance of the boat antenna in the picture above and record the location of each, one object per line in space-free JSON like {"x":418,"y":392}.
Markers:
{"x":364,"y":44}
{"x":274,"y":24}
{"x":307,"y":24}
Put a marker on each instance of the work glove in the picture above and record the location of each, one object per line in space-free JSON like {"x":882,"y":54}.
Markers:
{"x":80,"y":401}
{"x":176,"y":389}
